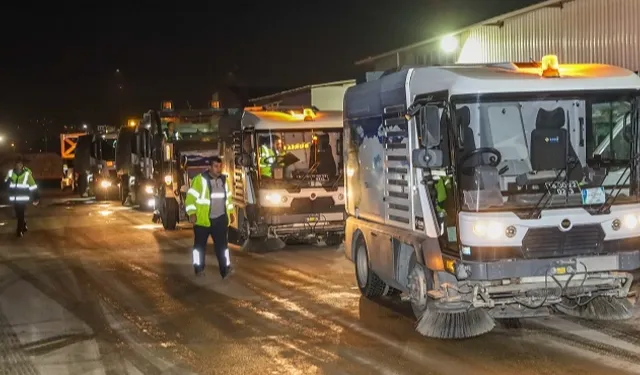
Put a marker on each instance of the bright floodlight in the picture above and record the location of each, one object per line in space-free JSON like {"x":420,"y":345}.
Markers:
{"x":449,"y":44}
{"x":84,"y":126}
{"x":1,"y":139}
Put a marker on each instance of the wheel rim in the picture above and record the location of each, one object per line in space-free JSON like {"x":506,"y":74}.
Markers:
{"x":418,"y":288}
{"x":362,"y":265}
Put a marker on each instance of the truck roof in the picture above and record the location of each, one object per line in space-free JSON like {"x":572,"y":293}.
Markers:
{"x":394,"y":89}
{"x":278,"y":120}
{"x":505,"y":78}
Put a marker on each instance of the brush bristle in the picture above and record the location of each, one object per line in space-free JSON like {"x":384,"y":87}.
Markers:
{"x":600,"y":308}
{"x":454,"y":324}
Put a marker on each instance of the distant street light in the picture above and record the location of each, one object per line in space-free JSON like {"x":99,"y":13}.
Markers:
{"x":449,"y":44}
{"x":1,"y":138}
{"x":84,"y":126}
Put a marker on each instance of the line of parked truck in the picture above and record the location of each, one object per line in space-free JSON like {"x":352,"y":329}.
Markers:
{"x":479,"y":192}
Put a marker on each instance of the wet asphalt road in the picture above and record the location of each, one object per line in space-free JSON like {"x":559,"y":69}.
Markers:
{"x":97,"y":289}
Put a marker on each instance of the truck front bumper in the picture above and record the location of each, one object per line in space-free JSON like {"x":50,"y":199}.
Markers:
{"x":304,"y":224}
{"x":522,"y":268}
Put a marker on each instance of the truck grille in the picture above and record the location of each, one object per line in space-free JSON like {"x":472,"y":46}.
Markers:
{"x":319,"y":205}
{"x":552,"y":242}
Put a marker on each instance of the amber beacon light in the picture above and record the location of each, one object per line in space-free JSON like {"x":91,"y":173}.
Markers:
{"x":550,"y":68}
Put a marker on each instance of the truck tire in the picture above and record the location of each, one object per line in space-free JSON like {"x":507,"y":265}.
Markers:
{"x":169,"y":214}
{"x":369,"y":283}
{"x":422,"y":276}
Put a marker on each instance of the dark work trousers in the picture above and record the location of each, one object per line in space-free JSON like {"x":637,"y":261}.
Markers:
{"x":218,"y":232}
{"x":20,"y":209}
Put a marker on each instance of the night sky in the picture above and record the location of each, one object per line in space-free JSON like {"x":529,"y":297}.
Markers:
{"x":59,"y":65}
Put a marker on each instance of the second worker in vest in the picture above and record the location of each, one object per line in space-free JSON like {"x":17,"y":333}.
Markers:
{"x":208,"y":206}
{"x":22,"y":189}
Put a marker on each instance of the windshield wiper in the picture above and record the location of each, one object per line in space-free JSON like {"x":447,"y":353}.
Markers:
{"x":312,"y":169}
{"x":337,"y":179}
{"x":537,"y":210}
{"x":612,"y":198}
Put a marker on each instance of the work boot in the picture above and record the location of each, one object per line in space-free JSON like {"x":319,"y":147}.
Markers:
{"x":199,"y":271}
{"x":230,"y":271}
{"x":19,"y":234}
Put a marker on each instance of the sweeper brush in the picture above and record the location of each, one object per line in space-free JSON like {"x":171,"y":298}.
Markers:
{"x":454,"y":322}
{"x":599,"y":308}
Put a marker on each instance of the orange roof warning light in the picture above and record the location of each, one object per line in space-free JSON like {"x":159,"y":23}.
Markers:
{"x":167,"y":105}
{"x":549,"y":67}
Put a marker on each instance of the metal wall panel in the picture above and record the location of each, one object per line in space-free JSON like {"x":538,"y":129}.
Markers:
{"x":581,"y":31}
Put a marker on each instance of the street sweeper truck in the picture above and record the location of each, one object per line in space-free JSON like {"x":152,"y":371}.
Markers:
{"x":287,"y":169}
{"x":488,"y":192}
{"x":160,"y":154}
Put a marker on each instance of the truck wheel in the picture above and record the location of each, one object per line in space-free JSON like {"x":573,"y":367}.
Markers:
{"x":419,"y":285}
{"x":169,"y":214}
{"x":369,"y":283}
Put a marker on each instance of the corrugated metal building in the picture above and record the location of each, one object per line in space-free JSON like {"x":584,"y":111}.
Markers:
{"x":578,"y":31}
{"x":325,"y":96}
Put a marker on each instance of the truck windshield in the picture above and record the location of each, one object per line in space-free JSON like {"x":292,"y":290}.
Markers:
{"x":190,"y":127}
{"x":300,"y":158}
{"x":109,"y":149}
{"x":568,"y":152}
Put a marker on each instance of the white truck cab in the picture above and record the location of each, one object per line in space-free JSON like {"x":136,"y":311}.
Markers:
{"x":508,"y":189}
{"x":288,"y":174}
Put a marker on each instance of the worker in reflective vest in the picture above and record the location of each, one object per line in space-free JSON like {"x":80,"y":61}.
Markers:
{"x":22,"y":189}
{"x":172,"y":135}
{"x":208,"y":204}
{"x":266,"y":157}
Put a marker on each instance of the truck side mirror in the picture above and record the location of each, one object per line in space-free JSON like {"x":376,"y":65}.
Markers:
{"x":425,"y":158}
{"x":429,"y":121}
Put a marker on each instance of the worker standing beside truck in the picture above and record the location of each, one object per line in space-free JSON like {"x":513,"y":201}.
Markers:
{"x":208,"y":206}
{"x":22,"y":189}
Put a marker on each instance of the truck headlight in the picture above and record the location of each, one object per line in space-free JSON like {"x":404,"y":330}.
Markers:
{"x":630,"y":221}
{"x":489,"y":229}
{"x":274,"y":197}
{"x":168,"y":179}
{"x":105,"y":183}
{"x":148,"y":189}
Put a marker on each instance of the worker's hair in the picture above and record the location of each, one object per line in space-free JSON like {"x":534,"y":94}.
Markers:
{"x":215,"y":159}
{"x":19,"y":159}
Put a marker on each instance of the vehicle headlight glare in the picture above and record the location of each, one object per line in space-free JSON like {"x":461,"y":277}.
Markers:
{"x":168,"y":179}
{"x":491,"y":229}
{"x":630,"y":221}
{"x":274,"y":197}
{"x":148,"y":189}
{"x":105,"y":184}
